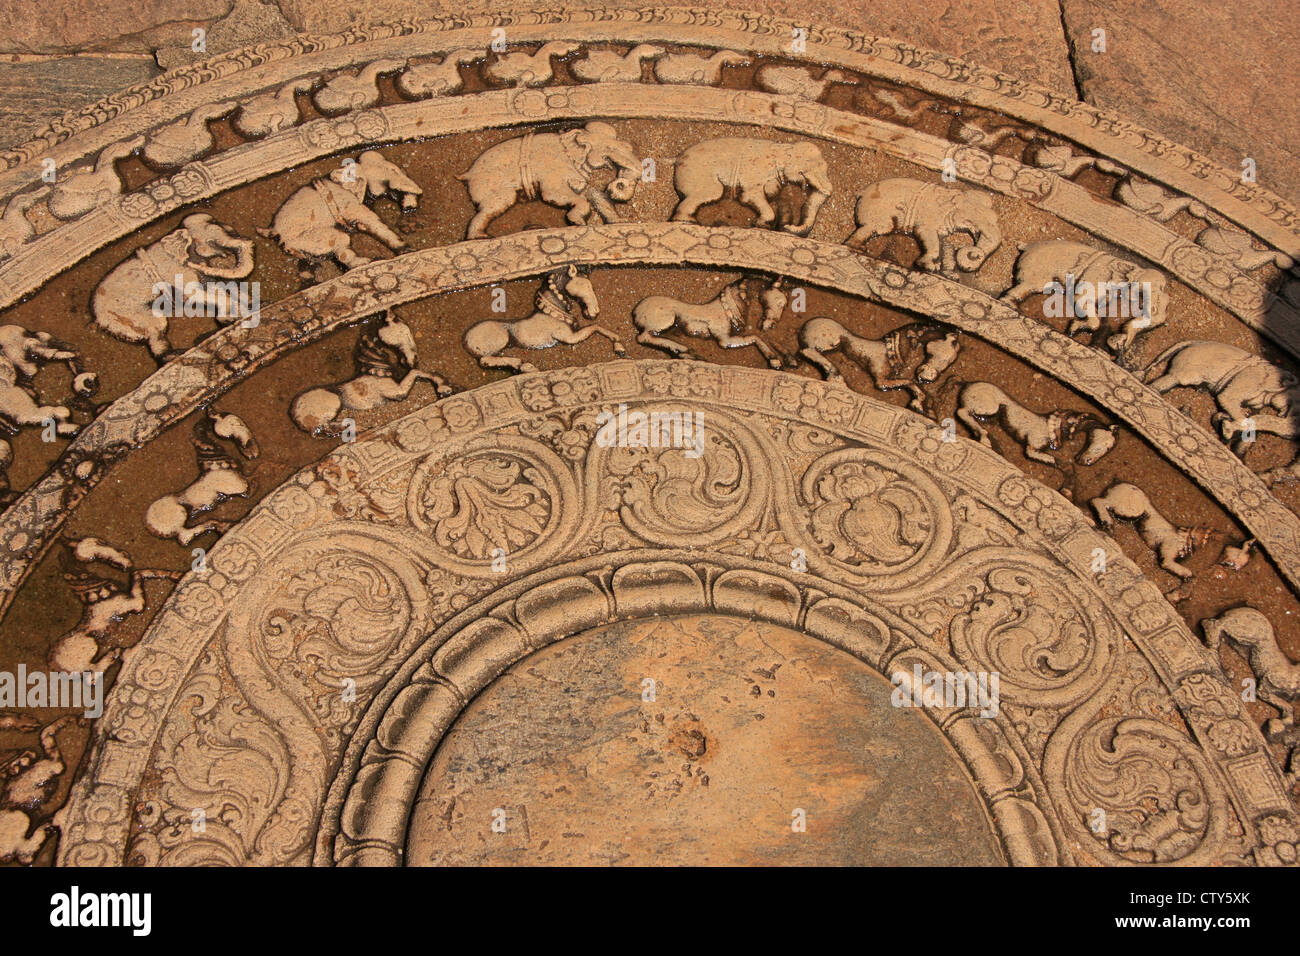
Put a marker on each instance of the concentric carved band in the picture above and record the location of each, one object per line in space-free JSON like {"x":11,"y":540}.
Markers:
{"x":268,"y":616}
{"x":220,"y":361}
{"x":245,"y":72}
{"x":1216,"y":276}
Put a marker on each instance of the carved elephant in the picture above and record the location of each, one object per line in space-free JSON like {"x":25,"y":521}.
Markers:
{"x":756,"y":169}
{"x":556,"y":168}
{"x":123,"y":302}
{"x":933,"y":214}
{"x":1242,"y":384}
{"x":1064,"y":263}
{"x":315,"y":222}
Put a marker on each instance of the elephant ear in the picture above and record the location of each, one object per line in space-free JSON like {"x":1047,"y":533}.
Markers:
{"x":178,"y":246}
{"x":576,"y":144}
{"x":576,"y":138}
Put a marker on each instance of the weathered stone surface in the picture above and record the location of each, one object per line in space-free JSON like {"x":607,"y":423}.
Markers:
{"x":749,"y":724}
{"x":249,"y":23}
{"x":80,"y":26}
{"x":1216,"y":77}
{"x":1022,"y":38}
{"x":34,"y":91}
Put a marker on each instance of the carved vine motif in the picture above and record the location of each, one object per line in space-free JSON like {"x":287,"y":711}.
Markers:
{"x":485,"y":505}
{"x":1149,"y":786}
{"x":869,"y":516}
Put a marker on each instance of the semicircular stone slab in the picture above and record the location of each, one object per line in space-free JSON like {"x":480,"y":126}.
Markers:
{"x":943,"y":489}
{"x":298,"y":690}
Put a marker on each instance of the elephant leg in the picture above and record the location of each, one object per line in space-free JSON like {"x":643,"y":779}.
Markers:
{"x":1284,"y":426}
{"x":1019,"y":292}
{"x":931,"y":250}
{"x":489,"y":207}
{"x":862,"y":235}
{"x":1088,"y":322}
{"x":579,"y":210}
{"x":692,"y":200}
{"x":1164,"y":383}
{"x":1234,"y":408}
{"x":366,"y":220}
{"x":578,"y":207}
{"x":159,"y":347}
{"x":949,"y":256}
{"x":831,"y":373}
{"x":756,"y":197}
{"x":342,"y":251}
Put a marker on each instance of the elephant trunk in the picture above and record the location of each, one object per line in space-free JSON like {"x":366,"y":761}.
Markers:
{"x":970,"y":258}
{"x":627,"y":170}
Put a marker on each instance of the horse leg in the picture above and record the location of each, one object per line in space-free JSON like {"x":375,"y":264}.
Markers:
{"x":885,"y":383}
{"x":402,"y":389}
{"x":1285,"y":708}
{"x":437,"y":381}
{"x":739,"y":341}
{"x":823,"y":364}
{"x":366,"y":220}
{"x":185,"y":535}
{"x":1039,"y":455}
{"x":506,"y":362}
{"x":675,"y":349}
{"x":574,"y":337}
{"x":976,"y":428}
{"x":1168,"y":554}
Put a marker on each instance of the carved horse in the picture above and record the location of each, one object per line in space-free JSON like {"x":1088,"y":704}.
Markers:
{"x":720,"y":320}
{"x":219,"y":478}
{"x":883,"y":358}
{"x":1170,"y":543}
{"x":1278,"y":676}
{"x":91,"y":645}
{"x":559,"y":307}
{"x":1037,"y":434}
{"x":386,"y":372}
